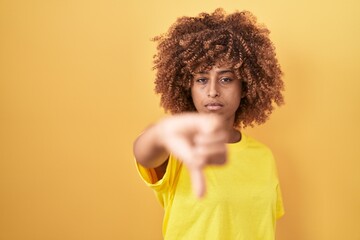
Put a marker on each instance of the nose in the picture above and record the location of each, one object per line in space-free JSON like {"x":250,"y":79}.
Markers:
{"x":213,"y":90}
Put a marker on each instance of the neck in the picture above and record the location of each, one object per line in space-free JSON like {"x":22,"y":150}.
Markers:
{"x":234,"y":134}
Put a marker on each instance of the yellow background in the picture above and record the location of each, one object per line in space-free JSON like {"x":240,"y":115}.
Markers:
{"x":76,"y":89}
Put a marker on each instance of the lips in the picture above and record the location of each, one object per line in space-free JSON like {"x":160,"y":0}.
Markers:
{"x":213,"y":106}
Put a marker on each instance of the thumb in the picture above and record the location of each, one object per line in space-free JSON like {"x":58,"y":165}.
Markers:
{"x":183,"y":150}
{"x":198,"y":181}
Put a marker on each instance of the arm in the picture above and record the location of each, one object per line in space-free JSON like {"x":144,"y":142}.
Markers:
{"x":198,"y":140}
{"x":149,"y":149}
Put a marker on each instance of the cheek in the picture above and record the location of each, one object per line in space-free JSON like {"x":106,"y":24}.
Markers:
{"x":195,"y":94}
{"x":196,"y":98}
{"x":237,"y":99}
{"x":238,"y":103}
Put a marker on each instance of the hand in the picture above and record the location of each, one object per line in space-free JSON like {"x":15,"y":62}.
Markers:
{"x":197,"y":140}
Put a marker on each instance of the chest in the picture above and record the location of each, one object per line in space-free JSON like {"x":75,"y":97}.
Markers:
{"x":247,"y":183}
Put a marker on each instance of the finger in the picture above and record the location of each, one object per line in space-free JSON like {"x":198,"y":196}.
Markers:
{"x":210,"y":151}
{"x":205,"y":123}
{"x":216,"y":155}
{"x":198,"y":182}
{"x":211,"y":138}
{"x":182,"y":149}
{"x":210,"y":123}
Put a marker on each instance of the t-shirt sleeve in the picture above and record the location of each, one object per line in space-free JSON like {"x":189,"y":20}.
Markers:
{"x":163,"y":186}
{"x":279,"y":203}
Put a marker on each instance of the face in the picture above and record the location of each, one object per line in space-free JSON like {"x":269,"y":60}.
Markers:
{"x":217,"y":91}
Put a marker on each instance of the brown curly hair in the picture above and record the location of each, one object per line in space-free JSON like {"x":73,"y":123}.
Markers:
{"x":196,"y":43}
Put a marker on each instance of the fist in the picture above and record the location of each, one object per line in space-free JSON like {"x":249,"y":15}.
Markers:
{"x":197,"y":140}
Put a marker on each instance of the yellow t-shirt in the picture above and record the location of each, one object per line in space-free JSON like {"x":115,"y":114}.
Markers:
{"x":243,"y":198}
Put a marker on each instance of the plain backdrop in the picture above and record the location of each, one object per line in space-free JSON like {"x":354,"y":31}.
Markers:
{"x":76,"y":88}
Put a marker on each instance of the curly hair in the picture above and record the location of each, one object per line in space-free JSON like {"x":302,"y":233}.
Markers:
{"x":197,"y":43}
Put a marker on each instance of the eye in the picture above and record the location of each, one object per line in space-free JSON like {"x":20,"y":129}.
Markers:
{"x":225,"y":80}
{"x":201,"y":80}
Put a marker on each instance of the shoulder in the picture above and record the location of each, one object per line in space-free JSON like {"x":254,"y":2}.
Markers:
{"x":254,"y":143}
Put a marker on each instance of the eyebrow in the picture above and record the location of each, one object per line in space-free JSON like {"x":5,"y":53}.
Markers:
{"x":219,"y":72}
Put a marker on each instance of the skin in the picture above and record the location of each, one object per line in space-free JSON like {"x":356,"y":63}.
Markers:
{"x":218,"y":91}
{"x":198,"y":139}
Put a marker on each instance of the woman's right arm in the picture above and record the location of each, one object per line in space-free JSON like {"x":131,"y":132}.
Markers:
{"x":196,"y":139}
{"x":149,"y":149}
